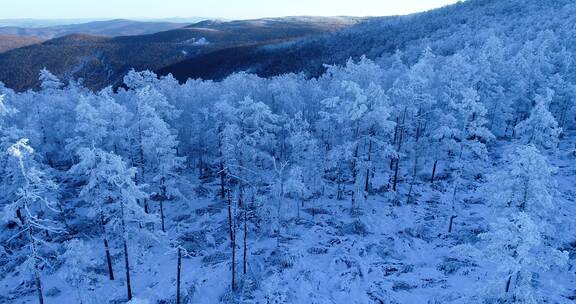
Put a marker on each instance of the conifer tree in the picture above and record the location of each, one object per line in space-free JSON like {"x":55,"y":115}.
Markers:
{"x":30,"y":200}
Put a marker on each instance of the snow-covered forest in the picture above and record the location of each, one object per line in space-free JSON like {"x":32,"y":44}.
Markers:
{"x":443,"y":172}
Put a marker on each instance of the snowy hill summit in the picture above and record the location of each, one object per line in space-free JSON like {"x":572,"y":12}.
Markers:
{"x":431,"y":159}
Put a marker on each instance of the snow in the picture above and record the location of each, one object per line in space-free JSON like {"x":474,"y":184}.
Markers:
{"x":445,"y":178}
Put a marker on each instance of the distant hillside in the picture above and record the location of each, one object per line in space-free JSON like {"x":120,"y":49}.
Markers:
{"x":445,"y":30}
{"x":103,"y":61}
{"x":12,"y":42}
{"x":38,"y":23}
{"x":118,"y":27}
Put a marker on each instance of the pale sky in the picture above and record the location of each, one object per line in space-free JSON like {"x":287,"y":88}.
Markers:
{"x":229,"y":9}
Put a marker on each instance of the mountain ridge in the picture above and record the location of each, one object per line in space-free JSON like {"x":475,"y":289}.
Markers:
{"x":149,"y":51}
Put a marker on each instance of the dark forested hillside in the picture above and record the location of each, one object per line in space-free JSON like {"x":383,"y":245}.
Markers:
{"x":102,"y":61}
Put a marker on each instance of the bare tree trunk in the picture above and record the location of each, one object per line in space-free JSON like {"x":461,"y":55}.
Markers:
{"x":126,"y":259}
{"x":397,"y":158}
{"x":355,"y":165}
{"x":508,"y":283}
{"x":19,"y":216}
{"x":35,"y":257}
{"x":396,"y":168}
{"x":162,"y":215}
{"x":245,"y":253}
{"x":409,"y":197}
{"x":178,"y":275}
{"x":108,"y":259}
{"x":107,"y":249}
{"x":222,"y":179}
{"x":339,"y":185}
{"x":38,"y":287}
{"x":146,"y":207}
{"x":453,"y":205}
{"x":451,"y":223}
{"x":433,"y":171}
{"x":396,"y":130}
{"x":415,"y":169}
{"x":232,"y":241}
{"x":399,"y":136}
{"x":367,"y":181}
{"x":141,"y":162}
{"x":127,"y":265}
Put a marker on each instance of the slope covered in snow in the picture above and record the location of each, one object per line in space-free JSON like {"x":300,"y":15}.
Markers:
{"x":439,"y":173}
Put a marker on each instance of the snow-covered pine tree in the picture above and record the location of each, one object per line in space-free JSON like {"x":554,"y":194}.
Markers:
{"x":412,"y":97}
{"x":304,"y":152}
{"x":521,"y":240}
{"x":361,"y":114}
{"x":526,"y":184}
{"x":111,"y":190}
{"x":540,"y":128}
{"x":296,"y":188}
{"x":79,"y":262}
{"x":9,"y":134}
{"x":90,"y":128}
{"x":490,"y":67}
{"x":49,"y":81}
{"x":50,"y":117}
{"x":100,"y":122}
{"x":160,"y":157}
{"x":516,"y":246}
{"x":117,"y":118}
{"x":155,"y":147}
{"x":28,"y":200}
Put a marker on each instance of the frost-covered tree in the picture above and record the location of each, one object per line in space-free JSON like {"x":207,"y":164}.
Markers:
{"x":540,"y":128}
{"x":100,"y":122}
{"x":516,"y":246}
{"x":159,"y":145}
{"x":49,"y":81}
{"x":117,"y":118}
{"x":30,"y":200}
{"x":111,"y":190}
{"x":155,"y":145}
{"x":462,"y":140}
{"x":519,"y":241}
{"x":9,"y":134}
{"x":412,"y":97}
{"x":91,"y":129}
{"x":362,"y":114}
{"x":247,"y":140}
{"x":458,"y":132}
{"x":564,"y":101}
{"x":48,"y":118}
{"x":525,"y":184}
{"x":296,"y":188}
{"x":490,"y":64}
{"x":305,"y":154}
{"x":78,"y":265}
{"x":138,"y":80}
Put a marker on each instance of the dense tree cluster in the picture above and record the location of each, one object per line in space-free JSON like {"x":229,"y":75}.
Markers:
{"x":367,"y":128}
